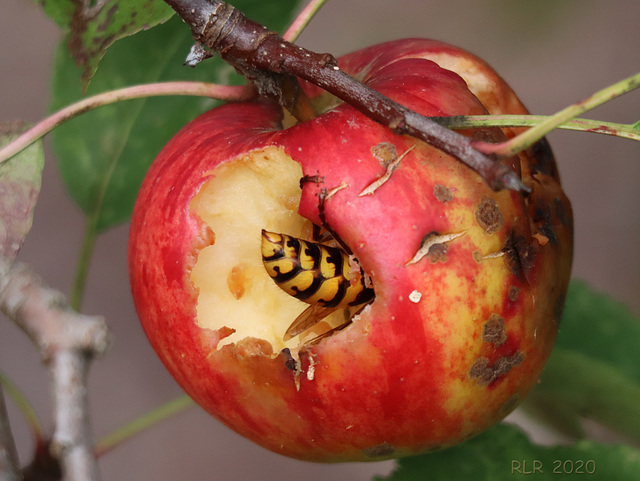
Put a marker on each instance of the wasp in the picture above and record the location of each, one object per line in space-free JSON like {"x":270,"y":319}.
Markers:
{"x":323,"y":276}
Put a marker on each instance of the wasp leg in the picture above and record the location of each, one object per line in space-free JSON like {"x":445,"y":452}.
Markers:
{"x":323,"y":196}
{"x":319,"y":236}
{"x":316,"y":179}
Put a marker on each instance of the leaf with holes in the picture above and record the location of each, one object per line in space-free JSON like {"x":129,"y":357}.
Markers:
{"x":95,"y":26}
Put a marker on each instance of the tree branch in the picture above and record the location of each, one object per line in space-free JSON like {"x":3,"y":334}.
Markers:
{"x":67,"y":342}
{"x":268,"y":60}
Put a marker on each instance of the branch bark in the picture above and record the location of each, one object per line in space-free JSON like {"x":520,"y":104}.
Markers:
{"x":67,"y":342}
{"x":268,"y":60}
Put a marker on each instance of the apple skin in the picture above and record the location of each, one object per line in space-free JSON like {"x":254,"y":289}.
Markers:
{"x":409,"y":377}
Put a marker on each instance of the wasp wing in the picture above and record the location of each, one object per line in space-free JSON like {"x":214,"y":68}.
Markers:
{"x":330,"y":332}
{"x":311,"y":316}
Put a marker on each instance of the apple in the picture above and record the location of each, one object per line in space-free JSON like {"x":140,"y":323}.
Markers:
{"x":469,"y":283}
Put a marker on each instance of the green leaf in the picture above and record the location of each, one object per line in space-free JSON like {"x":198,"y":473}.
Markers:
{"x":581,"y":387}
{"x":95,"y":26}
{"x":636,"y":126}
{"x":104,"y":154}
{"x":601,"y":328}
{"x":20,"y":179}
{"x":594,"y":371}
{"x":504,"y":453}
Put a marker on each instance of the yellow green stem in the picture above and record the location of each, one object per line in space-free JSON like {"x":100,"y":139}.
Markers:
{"x":138,"y":425}
{"x":25,"y":408}
{"x":532,"y":135}
{"x":84,"y":261}
{"x":626,"y":131}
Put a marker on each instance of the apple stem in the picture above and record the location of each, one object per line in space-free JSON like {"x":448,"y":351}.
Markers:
{"x":202,"y":89}
{"x":297,"y":102}
{"x":138,"y":425}
{"x":265,"y":59}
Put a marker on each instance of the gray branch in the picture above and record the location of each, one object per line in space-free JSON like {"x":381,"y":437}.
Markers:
{"x":67,"y":342}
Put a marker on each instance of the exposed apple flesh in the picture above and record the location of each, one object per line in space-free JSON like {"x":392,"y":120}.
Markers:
{"x":469,"y":283}
{"x":255,"y":191}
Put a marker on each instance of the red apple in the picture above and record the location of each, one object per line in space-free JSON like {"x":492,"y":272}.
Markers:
{"x":452,"y":342}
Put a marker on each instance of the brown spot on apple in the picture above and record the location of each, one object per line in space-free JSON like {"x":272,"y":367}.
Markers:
{"x":494,"y":331}
{"x":561,"y":212}
{"x":383,"y":450}
{"x":543,"y":219}
{"x":442,"y":193}
{"x":437,"y":253}
{"x":385,"y":153}
{"x":435,"y":448}
{"x":520,"y":255}
{"x":484,"y":373}
{"x":559,"y":308}
{"x":542,"y":159}
{"x":390,"y":161}
{"x":489,"y":216}
{"x":510,"y":404}
{"x":513,"y":293}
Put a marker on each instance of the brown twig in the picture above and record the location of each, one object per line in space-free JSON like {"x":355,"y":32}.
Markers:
{"x":67,"y":342}
{"x":266,"y":59}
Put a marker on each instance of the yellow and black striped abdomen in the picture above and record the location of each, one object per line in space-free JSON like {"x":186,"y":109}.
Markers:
{"x":314,"y":273}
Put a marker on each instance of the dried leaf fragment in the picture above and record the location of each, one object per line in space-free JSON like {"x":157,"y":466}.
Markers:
{"x":432,"y":239}
{"x":390,"y":167}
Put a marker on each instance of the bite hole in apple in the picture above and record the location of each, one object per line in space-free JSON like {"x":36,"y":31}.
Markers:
{"x":259,"y":190}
